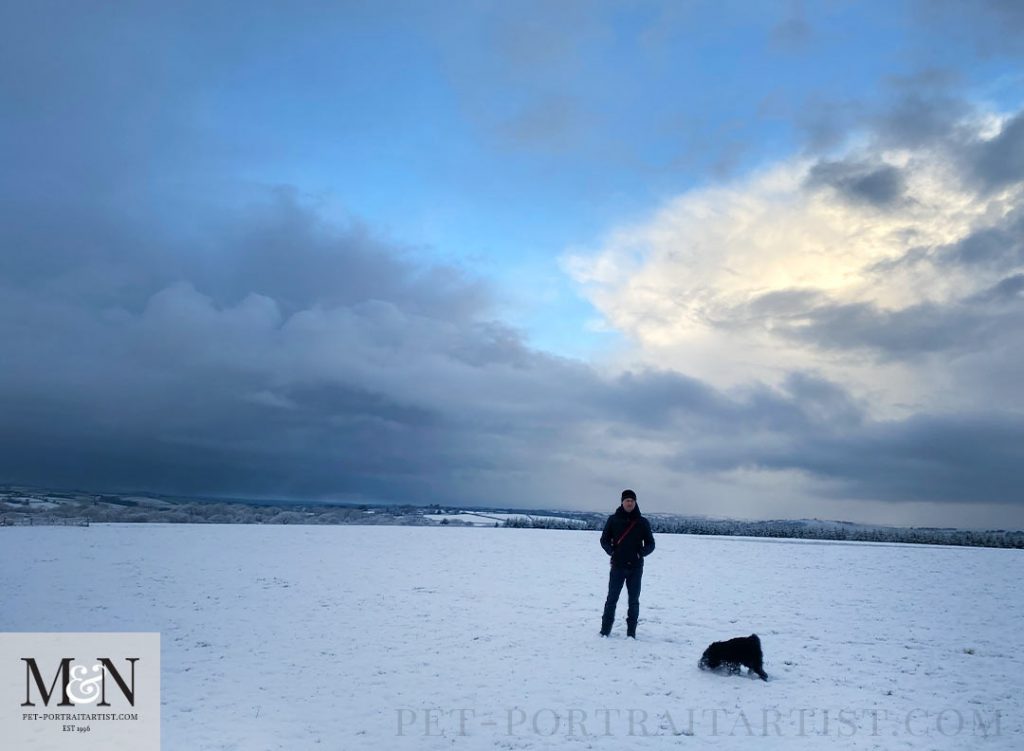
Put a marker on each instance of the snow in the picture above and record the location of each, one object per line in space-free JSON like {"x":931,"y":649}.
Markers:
{"x":489,"y":519}
{"x":470,"y":518}
{"x":35,"y":503}
{"x":346,"y":637}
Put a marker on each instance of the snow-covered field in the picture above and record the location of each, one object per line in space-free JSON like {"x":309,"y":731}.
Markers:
{"x":291,"y":638}
{"x":489,"y":519}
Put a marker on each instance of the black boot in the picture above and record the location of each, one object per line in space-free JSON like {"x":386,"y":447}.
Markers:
{"x":606,"y":627}
{"x":631,"y":629}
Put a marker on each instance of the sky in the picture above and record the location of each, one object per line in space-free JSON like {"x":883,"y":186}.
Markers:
{"x":750,"y":259}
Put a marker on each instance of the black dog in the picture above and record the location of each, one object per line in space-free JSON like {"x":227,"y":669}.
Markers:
{"x":727,"y":656}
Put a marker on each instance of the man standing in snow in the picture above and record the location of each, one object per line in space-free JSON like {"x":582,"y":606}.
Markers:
{"x":628,"y":540}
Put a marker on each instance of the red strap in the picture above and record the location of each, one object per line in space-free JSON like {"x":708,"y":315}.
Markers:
{"x":631,"y":525}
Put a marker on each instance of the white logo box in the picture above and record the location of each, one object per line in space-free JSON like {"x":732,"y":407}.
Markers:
{"x":81,"y":691}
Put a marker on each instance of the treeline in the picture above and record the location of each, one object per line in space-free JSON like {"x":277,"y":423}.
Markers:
{"x":102,"y":510}
{"x":804,"y":530}
{"x":82,"y":509}
{"x":550,"y":522}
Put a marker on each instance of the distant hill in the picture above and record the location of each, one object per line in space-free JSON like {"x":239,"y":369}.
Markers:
{"x":32,"y":506}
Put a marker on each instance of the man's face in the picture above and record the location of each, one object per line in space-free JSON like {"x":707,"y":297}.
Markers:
{"x":629,"y":504}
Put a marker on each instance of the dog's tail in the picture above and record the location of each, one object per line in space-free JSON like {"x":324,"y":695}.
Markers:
{"x":760,"y":669}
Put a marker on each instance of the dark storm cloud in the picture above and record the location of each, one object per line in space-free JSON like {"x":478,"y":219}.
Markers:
{"x":328,"y":401}
{"x":284,"y":250}
{"x":970,"y":324}
{"x":882,"y":186}
{"x":290,"y":358}
{"x":167,"y":326}
{"x":200,"y":397}
{"x":915,"y":117}
{"x":660,"y":398}
{"x":999,"y":161}
{"x":950,"y":458}
{"x":826,"y":435}
{"x":911,"y":331}
{"x":919,"y":108}
{"x":999,"y":247}
{"x":159,"y":336}
{"x":931,"y":111}
{"x":925,"y":111}
{"x":1006,"y":290}
{"x":680,"y":409}
{"x":782,"y":303}
{"x":119,"y":187}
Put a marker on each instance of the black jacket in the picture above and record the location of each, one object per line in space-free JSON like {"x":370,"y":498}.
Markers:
{"x":635,"y":546}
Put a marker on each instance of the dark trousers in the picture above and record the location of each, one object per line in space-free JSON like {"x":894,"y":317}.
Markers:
{"x":618,"y":576}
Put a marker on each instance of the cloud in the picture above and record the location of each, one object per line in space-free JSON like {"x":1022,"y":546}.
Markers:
{"x":888,"y":277}
{"x":999,"y":246}
{"x":906,"y":333}
{"x":520,"y":72}
{"x":925,"y":106}
{"x":888,"y":254}
{"x":880,"y":186}
{"x":319,"y":354}
{"x":378,"y":390}
{"x":814,"y":427}
{"x":992,"y":27}
{"x":171,"y":324}
{"x":919,"y":114}
{"x":971,"y":458}
{"x":836,"y":325}
{"x":999,"y":161}
{"x":550,"y":123}
{"x":793,"y":32}
{"x":1005,"y":290}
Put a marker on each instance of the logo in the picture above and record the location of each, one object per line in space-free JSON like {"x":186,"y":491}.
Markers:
{"x":88,"y":692}
{"x":79,"y":684}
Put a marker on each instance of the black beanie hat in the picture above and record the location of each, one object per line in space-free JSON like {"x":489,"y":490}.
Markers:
{"x":627,"y":493}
